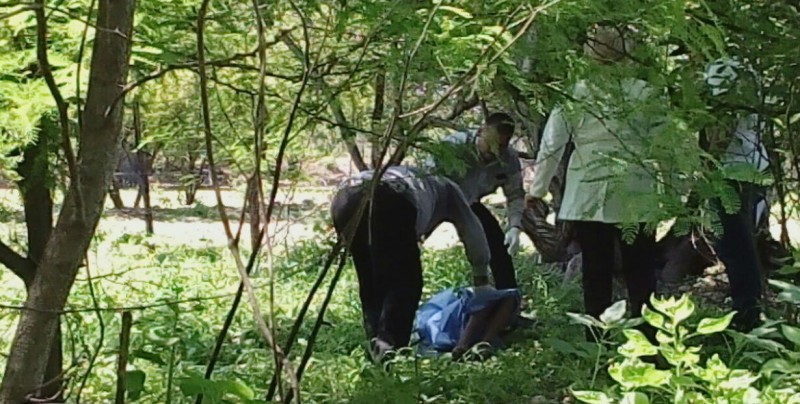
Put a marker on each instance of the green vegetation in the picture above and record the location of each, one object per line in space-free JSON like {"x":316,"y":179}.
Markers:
{"x":289,"y":96}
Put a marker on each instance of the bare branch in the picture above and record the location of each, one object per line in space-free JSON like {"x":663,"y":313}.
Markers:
{"x":23,"y":267}
{"x":66,"y":142}
{"x":226,"y":62}
{"x":78,"y":66}
{"x":28,"y":7}
{"x":377,"y":111}
{"x":245,"y":278}
{"x":334,"y":103}
{"x":101,"y":330}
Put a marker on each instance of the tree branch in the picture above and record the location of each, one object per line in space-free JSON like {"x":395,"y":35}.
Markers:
{"x":226,"y":62}
{"x":27,"y":7}
{"x":44,"y":66}
{"x":23,"y":267}
{"x":263,"y":328}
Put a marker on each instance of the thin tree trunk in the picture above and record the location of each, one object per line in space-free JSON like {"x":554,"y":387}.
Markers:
{"x":114,"y":194}
{"x":377,"y":116}
{"x":99,"y":142}
{"x":143,"y":171}
{"x":254,"y":212}
{"x":122,"y":359}
{"x":34,"y":171}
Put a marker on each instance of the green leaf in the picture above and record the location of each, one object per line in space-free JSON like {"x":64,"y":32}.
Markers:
{"x":237,"y":388}
{"x":134,"y":384}
{"x":149,"y":356}
{"x":675,"y":357}
{"x":584,"y":319}
{"x":637,"y":345}
{"x":455,"y":10}
{"x":592,"y":397}
{"x":738,"y":380}
{"x":662,"y":305}
{"x":614,"y":313}
{"x":633,"y":373}
{"x":789,"y":294}
{"x":634,"y":397}
{"x":778,"y":365}
{"x":653,"y":318}
{"x":195,"y":384}
{"x":791,"y":333}
{"x":683,"y":309}
{"x":714,"y":325}
{"x":564,"y":347}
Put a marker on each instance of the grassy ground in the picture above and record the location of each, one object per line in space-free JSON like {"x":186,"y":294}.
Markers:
{"x":186,"y":262}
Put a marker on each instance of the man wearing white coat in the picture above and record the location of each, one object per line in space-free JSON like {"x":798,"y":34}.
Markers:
{"x":599,"y":188}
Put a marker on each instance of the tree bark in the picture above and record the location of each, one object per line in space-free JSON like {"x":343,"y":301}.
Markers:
{"x":122,"y":359}
{"x":115,"y":196}
{"x":143,"y":169}
{"x":254,"y":211}
{"x":377,"y":115}
{"x":34,"y":186}
{"x":99,"y":142}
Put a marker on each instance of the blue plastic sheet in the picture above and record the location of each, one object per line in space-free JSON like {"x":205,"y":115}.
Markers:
{"x":444,"y":316}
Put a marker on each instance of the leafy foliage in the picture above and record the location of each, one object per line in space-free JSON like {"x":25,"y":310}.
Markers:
{"x":688,"y":378}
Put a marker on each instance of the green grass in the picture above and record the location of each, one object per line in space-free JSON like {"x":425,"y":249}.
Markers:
{"x":136,"y":271}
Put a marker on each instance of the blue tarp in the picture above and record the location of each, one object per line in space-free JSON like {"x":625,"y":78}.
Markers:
{"x":442,"y":318}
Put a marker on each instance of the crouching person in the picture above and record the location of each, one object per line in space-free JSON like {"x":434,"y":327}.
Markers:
{"x":405,"y":207}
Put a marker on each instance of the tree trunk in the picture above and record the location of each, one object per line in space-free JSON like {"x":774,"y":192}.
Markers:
{"x":143,"y":170}
{"x":254,"y":211}
{"x":114,"y":194}
{"x":38,"y":205}
{"x":77,"y":221}
{"x":197,"y":178}
{"x":34,"y":171}
{"x":377,"y":116}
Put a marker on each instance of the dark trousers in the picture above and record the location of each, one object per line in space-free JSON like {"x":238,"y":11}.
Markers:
{"x":386,"y":257}
{"x":598,"y":242}
{"x":736,"y":248}
{"x":502,"y":264}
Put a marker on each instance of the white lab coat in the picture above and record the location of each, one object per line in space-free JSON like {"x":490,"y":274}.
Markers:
{"x":601,"y":182}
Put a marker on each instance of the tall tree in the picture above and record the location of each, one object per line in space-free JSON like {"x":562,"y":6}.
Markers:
{"x":83,"y":203}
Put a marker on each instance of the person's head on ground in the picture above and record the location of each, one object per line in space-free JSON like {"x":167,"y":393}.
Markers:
{"x":609,"y":43}
{"x":495,"y":134}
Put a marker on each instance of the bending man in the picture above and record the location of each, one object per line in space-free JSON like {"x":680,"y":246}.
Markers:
{"x":489,"y":163}
{"x":405,"y":207}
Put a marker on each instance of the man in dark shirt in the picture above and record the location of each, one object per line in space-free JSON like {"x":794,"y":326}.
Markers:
{"x":405,"y":207}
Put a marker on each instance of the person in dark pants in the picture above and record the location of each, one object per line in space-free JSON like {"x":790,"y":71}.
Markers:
{"x":385,"y":244}
{"x":736,"y":139}
{"x":489,"y":164}
{"x":599,"y":242}
{"x":736,"y":248}
{"x":599,"y":195}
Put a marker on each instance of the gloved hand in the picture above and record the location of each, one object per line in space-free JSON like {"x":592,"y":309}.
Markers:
{"x":512,"y":240}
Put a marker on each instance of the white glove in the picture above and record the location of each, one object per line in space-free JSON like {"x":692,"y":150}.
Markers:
{"x":512,"y":240}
